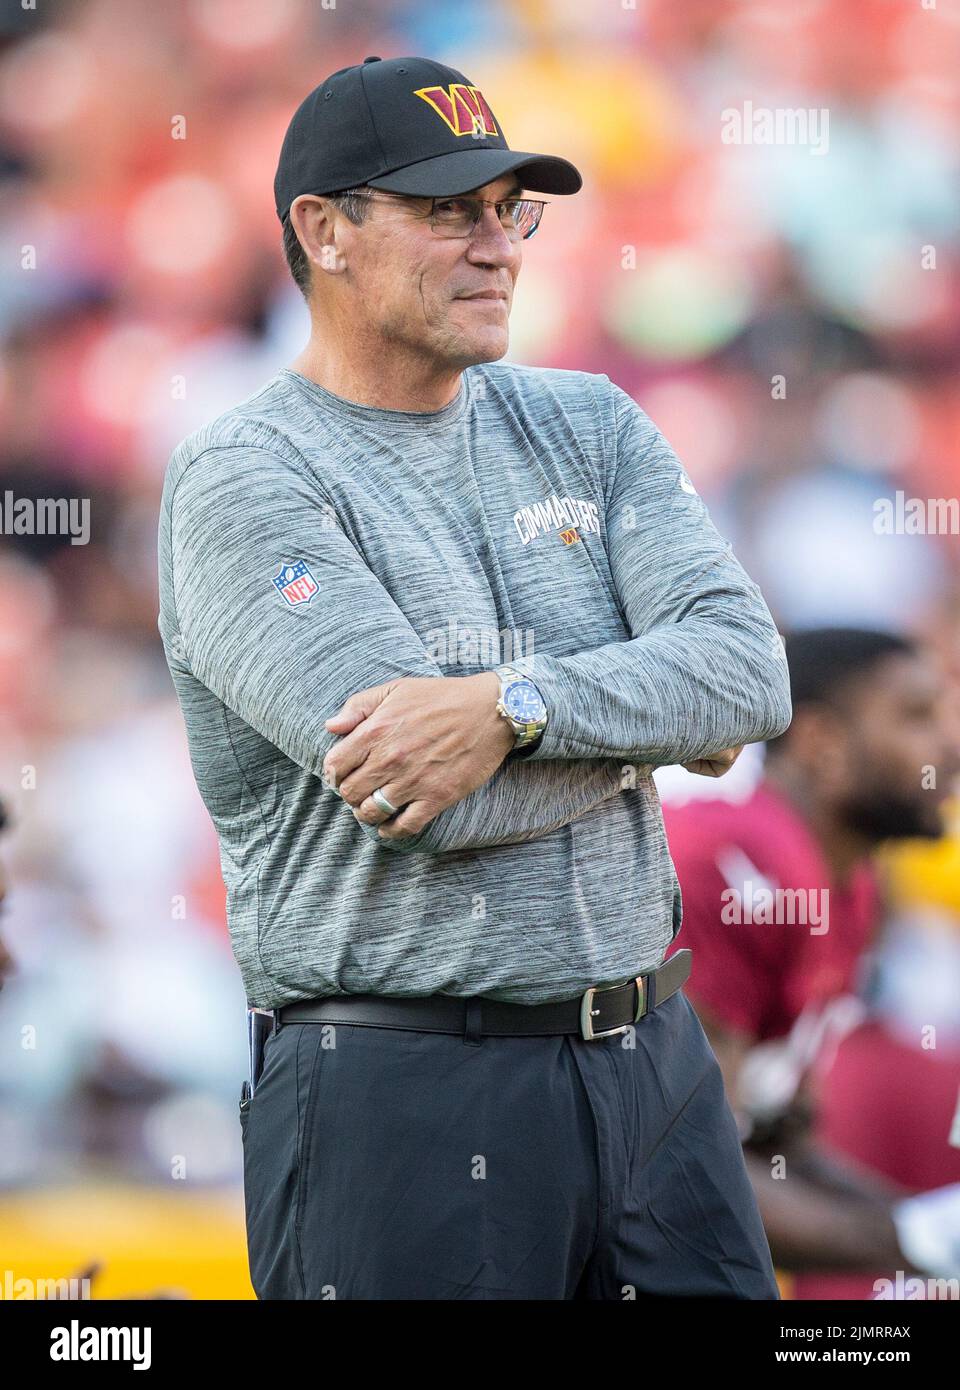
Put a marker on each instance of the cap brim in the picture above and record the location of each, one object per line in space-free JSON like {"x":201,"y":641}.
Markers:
{"x":463,"y":170}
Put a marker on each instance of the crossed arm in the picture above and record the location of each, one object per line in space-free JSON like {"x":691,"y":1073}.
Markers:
{"x":286,"y":671}
{"x":702,"y":674}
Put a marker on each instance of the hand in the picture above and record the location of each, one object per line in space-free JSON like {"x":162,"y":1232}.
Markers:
{"x":716,"y":765}
{"x":425,"y":742}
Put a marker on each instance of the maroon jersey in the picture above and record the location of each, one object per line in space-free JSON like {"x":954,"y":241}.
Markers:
{"x":763,"y":952}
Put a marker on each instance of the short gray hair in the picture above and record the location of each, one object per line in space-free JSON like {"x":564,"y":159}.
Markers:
{"x":351,"y":203}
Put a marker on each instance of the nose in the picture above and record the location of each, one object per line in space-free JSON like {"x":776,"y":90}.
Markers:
{"x":489,"y":243}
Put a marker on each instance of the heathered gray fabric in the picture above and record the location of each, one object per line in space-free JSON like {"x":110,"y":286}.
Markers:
{"x":434,"y":539}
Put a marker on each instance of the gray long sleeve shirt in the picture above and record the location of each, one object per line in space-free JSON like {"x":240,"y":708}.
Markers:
{"x":310,"y":547}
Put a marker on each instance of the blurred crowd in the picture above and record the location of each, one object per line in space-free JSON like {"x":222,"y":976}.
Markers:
{"x":790,"y":320}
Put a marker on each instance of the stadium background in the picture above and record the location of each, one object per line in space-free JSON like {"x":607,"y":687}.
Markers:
{"x":689,"y":270}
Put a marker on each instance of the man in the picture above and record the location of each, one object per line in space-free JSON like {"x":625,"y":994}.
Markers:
{"x":439,"y":876}
{"x":780,"y":903}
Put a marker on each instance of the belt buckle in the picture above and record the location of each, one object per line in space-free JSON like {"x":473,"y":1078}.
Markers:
{"x":587,"y":1011}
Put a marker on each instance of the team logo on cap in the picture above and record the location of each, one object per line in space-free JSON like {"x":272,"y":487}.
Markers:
{"x":296,"y":583}
{"x":460,"y":107}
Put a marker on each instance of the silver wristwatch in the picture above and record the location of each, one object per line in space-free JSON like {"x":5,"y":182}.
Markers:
{"x":521,"y":705}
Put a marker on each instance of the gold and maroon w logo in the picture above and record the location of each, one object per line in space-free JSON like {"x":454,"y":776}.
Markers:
{"x":461,"y":107}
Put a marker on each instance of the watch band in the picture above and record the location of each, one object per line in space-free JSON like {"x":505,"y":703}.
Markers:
{"x":526,"y":733}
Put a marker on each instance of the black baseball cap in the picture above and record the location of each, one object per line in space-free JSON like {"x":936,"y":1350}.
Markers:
{"x":408,"y":125}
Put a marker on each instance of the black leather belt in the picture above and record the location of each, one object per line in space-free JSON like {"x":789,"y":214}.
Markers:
{"x":597,"y":1013}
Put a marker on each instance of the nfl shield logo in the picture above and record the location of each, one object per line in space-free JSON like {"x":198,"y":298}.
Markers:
{"x":296,"y":583}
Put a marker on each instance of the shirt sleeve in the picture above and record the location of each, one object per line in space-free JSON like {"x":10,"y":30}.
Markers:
{"x":238,"y":515}
{"x":520,"y":802}
{"x":704,"y":668}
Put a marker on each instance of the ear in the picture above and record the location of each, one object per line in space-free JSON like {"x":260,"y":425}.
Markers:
{"x":318,"y":227}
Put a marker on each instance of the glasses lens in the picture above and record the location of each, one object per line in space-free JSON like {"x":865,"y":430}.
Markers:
{"x":527,"y":216}
{"x":457,"y":217}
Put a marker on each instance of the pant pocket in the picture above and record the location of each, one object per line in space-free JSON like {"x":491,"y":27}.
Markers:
{"x":310,"y":1067}
{"x":270,"y":1174}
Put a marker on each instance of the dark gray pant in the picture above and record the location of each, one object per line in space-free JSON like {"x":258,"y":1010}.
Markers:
{"x":387,"y":1164}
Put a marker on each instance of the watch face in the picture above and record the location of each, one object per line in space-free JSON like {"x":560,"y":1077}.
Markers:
{"x":524,"y":703}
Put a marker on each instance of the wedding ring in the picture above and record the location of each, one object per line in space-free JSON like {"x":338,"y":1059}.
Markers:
{"x":382,"y":803}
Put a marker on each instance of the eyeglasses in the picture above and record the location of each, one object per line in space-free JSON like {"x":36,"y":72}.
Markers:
{"x":458,"y":217}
